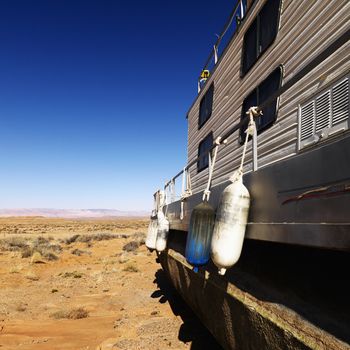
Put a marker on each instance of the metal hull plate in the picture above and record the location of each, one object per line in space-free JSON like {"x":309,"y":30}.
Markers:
{"x":302,"y":200}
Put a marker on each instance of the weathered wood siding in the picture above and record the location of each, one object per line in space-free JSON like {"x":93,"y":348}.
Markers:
{"x":306,"y":28}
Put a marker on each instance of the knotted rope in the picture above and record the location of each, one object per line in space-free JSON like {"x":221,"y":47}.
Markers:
{"x":186,"y":189}
{"x":212,"y":160}
{"x":252,"y":112}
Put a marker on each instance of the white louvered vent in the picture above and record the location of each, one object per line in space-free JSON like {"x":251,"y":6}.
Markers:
{"x":325,"y":114}
{"x":307,"y":120}
{"x":323,"y":111}
{"x":340,"y":101}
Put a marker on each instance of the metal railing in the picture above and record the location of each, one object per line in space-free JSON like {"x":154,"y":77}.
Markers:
{"x":230,"y":28}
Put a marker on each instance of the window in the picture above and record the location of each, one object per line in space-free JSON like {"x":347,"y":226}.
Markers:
{"x":259,"y":95}
{"x":203,"y":152}
{"x":260,"y":34}
{"x":206,"y":106}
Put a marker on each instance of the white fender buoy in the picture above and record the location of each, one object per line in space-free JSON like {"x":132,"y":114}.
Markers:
{"x":152,"y":232}
{"x":162,"y":232}
{"x":230,"y":224}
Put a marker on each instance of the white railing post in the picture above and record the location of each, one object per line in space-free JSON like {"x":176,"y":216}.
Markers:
{"x":172,"y":193}
{"x":215,"y":54}
{"x":242,"y":10}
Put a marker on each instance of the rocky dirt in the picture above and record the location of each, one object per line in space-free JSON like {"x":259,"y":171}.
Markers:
{"x":88,"y":284}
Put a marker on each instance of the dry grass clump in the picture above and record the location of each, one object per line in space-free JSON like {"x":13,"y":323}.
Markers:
{"x":103,"y":236}
{"x":138,"y":240}
{"x":70,"y":240}
{"x":79,"y":252}
{"x":32,"y":276}
{"x":123,"y":258}
{"x":92,"y":237}
{"x":21,"y":308}
{"x":131,"y":246}
{"x":55,"y":248}
{"x":73,"y":314}
{"x":42,"y":246}
{"x":13,"y":244}
{"x":131,"y":267}
{"x":100,"y":237}
{"x":27,"y":252}
{"x":50,"y":256}
{"x":14,"y":270}
{"x":140,"y":237}
{"x":37,"y":258}
{"x":28,"y":247}
{"x":74,"y":274}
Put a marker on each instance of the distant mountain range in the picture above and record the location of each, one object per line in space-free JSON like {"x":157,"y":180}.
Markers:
{"x":72,"y":213}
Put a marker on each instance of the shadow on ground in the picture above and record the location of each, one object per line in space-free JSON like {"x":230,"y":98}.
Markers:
{"x":192,"y":330}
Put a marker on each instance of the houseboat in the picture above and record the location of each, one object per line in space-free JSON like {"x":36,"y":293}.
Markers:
{"x":281,"y":67}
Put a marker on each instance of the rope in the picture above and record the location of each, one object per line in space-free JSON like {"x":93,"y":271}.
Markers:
{"x":212,"y":160}
{"x":189,"y":184}
{"x":183,"y":181}
{"x":172,"y":193}
{"x":186,"y":182}
{"x":252,"y":112}
{"x":163,"y":197}
{"x":155,"y":205}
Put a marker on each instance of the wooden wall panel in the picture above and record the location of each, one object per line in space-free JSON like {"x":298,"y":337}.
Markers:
{"x":306,"y":28}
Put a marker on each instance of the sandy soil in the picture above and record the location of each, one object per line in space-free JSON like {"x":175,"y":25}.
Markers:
{"x":99,"y":290}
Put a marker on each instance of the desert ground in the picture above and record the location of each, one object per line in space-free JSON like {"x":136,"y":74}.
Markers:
{"x":88,"y":284}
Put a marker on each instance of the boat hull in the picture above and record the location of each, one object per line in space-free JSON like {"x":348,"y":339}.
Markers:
{"x":259,"y":304}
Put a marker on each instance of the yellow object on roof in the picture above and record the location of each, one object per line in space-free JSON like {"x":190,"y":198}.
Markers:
{"x":205,"y":74}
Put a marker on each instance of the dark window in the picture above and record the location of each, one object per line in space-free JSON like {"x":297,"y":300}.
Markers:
{"x":250,"y":47}
{"x":259,"y":95}
{"x":206,"y":106}
{"x":260,"y":34}
{"x":203,"y":152}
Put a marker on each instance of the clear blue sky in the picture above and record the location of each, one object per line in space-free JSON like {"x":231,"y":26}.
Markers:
{"x":93,"y":97}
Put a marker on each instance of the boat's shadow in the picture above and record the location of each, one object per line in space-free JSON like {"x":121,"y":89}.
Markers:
{"x":192,"y":330}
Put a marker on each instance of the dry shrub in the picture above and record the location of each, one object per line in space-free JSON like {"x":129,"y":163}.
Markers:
{"x":123,"y":258}
{"x":74,"y":274}
{"x":78,"y":313}
{"x":140,"y":237}
{"x":21,"y":308}
{"x":73,"y":314}
{"x":56,"y":248}
{"x":32,"y":276}
{"x":14,"y":270}
{"x":27,"y":252}
{"x":79,"y":252}
{"x":131,"y":267}
{"x":28,"y":247}
{"x":13,"y":244}
{"x":59,"y":314}
{"x":50,"y":256}
{"x":99,"y":237}
{"x":71,"y":239}
{"x":131,"y":246}
{"x":37,"y":258}
{"x":92,"y":237}
{"x":42,"y":246}
{"x":41,"y":241}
